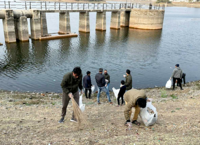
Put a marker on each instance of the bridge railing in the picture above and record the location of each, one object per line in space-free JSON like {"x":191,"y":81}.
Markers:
{"x":73,"y":6}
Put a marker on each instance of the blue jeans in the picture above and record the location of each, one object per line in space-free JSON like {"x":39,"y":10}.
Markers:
{"x":107,"y":87}
{"x":105,"y":90}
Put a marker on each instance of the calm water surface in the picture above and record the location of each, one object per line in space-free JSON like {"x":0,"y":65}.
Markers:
{"x":150,"y":55}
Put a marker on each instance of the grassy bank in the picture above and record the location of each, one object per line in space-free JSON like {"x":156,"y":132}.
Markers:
{"x":32,"y":118}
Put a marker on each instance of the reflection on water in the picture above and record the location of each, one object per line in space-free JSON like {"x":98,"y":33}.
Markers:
{"x":149,"y":54}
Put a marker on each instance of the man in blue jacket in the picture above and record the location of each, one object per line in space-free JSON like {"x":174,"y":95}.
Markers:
{"x":87,"y":84}
{"x":100,"y":80}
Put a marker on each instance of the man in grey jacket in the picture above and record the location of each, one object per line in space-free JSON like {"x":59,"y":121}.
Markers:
{"x":177,"y":76}
{"x":100,"y":80}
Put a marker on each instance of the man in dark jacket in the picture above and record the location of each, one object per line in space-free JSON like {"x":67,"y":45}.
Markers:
{"x":177,"y":76}
{"x":128,"y":82}
{"x":100,"y":80}
{"x":70,"y":84}
{"x":87,"y":84}
{"x":107,"y":79}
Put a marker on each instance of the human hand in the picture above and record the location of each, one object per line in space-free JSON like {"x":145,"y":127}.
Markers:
{"x":124,"y":76}
{"x":70,"y":95}
{"x":106,"y":85}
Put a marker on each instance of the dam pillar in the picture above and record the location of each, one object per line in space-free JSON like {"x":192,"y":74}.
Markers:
{"x":35,"y":25}
{"x":21,"y":28}
{"x":115,"y":20}
{"x":84,"y":22}
{"x":64,"y":23}
{"x":43,"y":23}
{"x":146,"y":19}
{"x":101,"y":21}
{"x":9,"y":26}
{"x":124,"y":18}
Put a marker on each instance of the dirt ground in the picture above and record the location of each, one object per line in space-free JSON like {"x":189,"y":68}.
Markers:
{"x":32,"y":118}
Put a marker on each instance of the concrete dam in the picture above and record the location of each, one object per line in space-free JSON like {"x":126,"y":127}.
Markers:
{"x":15,"y":14}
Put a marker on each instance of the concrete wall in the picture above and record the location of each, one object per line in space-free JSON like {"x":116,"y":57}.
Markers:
{"x":9,"y":27}
{"x":101,"y":21}
{"x":64,"y":23}
{"x":21,"y":28}
{"x":124,"y":18}
{"x":115,"y":20}
{"x":84,"y":22}
{"x":146,"y":19}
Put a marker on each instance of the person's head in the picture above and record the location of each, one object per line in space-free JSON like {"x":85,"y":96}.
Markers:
{"x":141,"y":102}
{"x":77,"y":72}
{"x":100,"y":70}
{"x":105,"y":71}
{"x":122,"y":82}
{"x":128,"y":72}
{"x":177,"y":65}
{"x":88,"y":73}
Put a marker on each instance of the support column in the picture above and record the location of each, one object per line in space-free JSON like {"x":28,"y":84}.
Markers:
{"x":125,"y":16}
{"x":84,"y":22}
{"x":115,"y":20}
{"x":64,"y":23}
{"x":43,"y":23}
{"x":9,"y":26}
{"x":35,"y":25}
{"x":101,"y":21}
{"x":21,"y":28}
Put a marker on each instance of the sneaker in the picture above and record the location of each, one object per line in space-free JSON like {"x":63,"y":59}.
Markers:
{"x":73,"y":120}
{"x":111,"y":103}
{"x":61,"y":120}
{"x":99,"y":103}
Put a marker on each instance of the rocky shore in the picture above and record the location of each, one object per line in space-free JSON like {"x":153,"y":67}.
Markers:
{"x":32,"y":118}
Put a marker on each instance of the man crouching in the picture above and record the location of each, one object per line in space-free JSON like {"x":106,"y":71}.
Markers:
{"x":134,"y":98}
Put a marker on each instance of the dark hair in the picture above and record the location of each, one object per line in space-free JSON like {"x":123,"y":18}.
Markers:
{"x":141,"y":102}
{"x":88,"y":72}
{"x":177,"y":65}
{"x":128,"y":71}
{"x":122,"y":82}
{"x":100,"y":69}
{"x":77,"y":71}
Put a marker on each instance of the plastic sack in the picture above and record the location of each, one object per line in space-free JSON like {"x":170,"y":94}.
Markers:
{"x":168,"y":84}
{"x":116,"y":92}
{"x":149,"y":114}
{"x":93,"y":88}
{"x":81,"y":105}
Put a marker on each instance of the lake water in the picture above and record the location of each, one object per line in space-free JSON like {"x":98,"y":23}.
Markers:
{"x":149,"y":54}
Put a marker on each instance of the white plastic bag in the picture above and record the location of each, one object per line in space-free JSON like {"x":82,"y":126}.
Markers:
{"x":168,"y":84}
{"x":81,"y":105}
{"x":93,"y":88}
{"x":116,"y":92}
{"x":149,"y":114}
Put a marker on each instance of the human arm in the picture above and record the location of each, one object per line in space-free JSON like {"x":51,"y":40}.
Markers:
{"x":172,"y":74}
{"x":128,"y":81}
{"x":80,"y":84}
{"x":64,"y":84}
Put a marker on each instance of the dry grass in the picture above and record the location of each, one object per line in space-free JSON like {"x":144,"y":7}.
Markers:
{"x":37,"y":124}
{"x":79,"y":116}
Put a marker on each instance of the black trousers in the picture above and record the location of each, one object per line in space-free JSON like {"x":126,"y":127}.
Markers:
{"x":178,"y":82}
{"x":121,"y":98}
{"x":86,"y":90}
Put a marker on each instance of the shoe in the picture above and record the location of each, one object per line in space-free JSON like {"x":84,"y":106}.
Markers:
{"x":61,"y":120}
{"x":111,"y":103}
{"x":99,"y":103}
{"x":181,"y":89}
{"x":73,"y":120}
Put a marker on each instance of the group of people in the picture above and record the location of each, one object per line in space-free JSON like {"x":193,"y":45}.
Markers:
{"x":133,"y":98}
